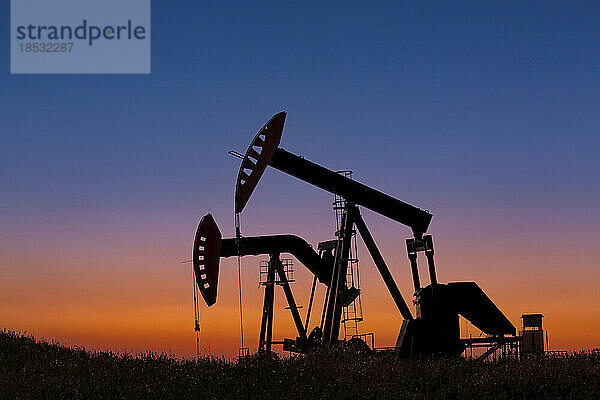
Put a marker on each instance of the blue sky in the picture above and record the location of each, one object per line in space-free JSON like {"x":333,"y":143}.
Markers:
{"x":506,"y":87}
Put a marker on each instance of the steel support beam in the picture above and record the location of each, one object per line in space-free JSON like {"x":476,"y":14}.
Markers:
{"x":388,"y":279}
{"x":412,"y":256}
{"x":310,"y":303}
{"x":338,"y":286}
{"x":430,"y":263}
{"x":266,"y":325}
{"x":333,"y":314}
{"x":276,"y":263}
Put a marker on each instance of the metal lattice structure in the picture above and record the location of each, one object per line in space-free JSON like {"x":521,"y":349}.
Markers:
{"x":288,"y":269}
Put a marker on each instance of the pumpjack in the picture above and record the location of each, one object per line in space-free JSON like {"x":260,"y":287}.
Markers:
{"x":435,"y":327}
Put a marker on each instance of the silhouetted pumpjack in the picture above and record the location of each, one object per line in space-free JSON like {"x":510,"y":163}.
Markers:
{"x":435,"y":329}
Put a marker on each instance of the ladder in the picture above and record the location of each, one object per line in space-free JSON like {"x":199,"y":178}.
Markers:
{"x":352,"y":314}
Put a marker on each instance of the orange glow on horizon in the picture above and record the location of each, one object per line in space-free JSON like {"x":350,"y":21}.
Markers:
{"x":137,"y":297}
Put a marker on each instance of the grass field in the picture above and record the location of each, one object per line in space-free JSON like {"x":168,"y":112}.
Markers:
{"x":36,"y":369}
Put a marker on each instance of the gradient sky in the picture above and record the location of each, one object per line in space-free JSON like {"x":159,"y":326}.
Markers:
{"x":485,"y":113}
